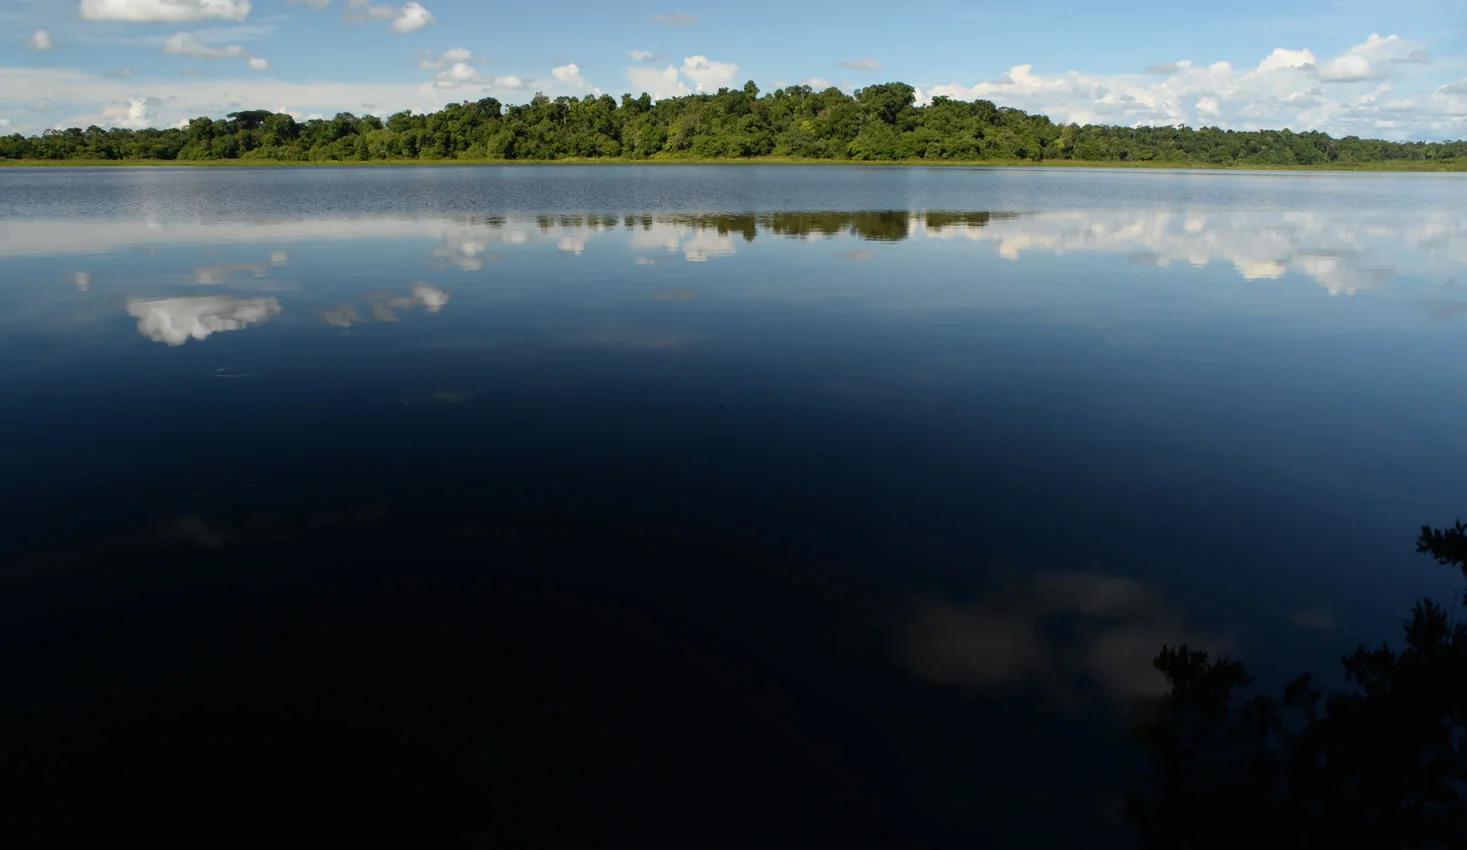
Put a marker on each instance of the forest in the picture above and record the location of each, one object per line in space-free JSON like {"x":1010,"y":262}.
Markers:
{"x":876,"y":123}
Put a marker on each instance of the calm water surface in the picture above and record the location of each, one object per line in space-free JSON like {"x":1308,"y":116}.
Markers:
{"x":452,"y":506}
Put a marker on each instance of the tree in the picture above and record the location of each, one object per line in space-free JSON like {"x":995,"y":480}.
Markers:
{"x":1381,"y":765}
{"x":879,"y":122}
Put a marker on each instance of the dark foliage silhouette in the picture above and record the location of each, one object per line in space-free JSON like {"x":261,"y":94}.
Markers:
{"x":1380,"y":765}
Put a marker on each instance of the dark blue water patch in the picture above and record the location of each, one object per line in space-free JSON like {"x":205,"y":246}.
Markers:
{"x":438,"y":505}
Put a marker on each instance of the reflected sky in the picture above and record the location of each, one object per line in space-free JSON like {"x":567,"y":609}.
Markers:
{"x":986,"y":438}
{"x":1241,"y":339}
{"x":1343,"y":250}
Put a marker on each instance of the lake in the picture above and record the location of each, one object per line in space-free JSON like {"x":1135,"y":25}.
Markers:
{"x":624,"y":504}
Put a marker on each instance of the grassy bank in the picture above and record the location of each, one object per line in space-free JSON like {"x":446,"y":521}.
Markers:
{"x":1394,"y":166}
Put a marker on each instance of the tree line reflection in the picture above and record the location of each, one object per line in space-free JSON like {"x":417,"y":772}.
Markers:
{"x":875,"y":225}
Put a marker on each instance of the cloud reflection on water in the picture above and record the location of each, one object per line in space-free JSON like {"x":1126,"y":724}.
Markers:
{"x":1344,"y":251}
{"x":177,"y":320}
{"x":1069,"y":636}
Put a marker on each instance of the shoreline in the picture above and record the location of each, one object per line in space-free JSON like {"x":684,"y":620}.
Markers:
{"x":1381,"y":167}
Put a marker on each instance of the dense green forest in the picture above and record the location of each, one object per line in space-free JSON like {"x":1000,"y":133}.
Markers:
{"x":876,"y":123}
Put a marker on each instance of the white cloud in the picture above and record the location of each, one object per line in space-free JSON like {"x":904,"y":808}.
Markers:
{"x":406,"y":18}
{"x":1392,"y":48}
{"x":136,"y":115}
{"x":457,"y":74}
{"x":41,"y":40}
{"x":1287,"y":88}
{"x":641,"y":55}
{"x":110,"y":101}
{"x":1350,"y":68}
{"x":177,"y":320}
{"x":187,"y":44}
{"x":660,"y":84}
{"x":259,"y":64}
{"x":314,"y":4}
{"x":816,"y":83}
{"x":676,"y":19}
{"x":570,"y":75}
{"x":1282,"y":58}
{"x":164,"y":11}
{"x":184,"y":98}
{"x":461,"y":74}
{"x":865,"y":63}
{"x":448,"y":57}
{"x":708,"y":75}
{"x":411,"y":17}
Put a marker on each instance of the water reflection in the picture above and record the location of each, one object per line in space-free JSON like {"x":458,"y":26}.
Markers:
{"x":177,"y":320}
{"x":788,"y":504}
{"x":1070,"y":637}
{"x":1345,"y":251}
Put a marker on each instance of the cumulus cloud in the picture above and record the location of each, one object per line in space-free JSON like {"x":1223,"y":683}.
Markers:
{"x":1349,"y":68}
{"x":406,"y":18}
{"x":659,"y":83}
{"x":642,"y":55}
{"x":463,"y":74}
{"x":259,"y":64}
{"x":676,"y":19}
{"x":865,"y":63}
{"x":1282,"y":58}
{"x":411,"y":17}
{"x":177,"y":320}
{"x":708,"y":75}
{"x":457,"y":74}
{"x":136,"y":115}
{"x":1393,"y":49}
{"x":570,"y":75}
{"x":432,"y":61}
{"x":165,"y":11}
{"x":1291,"y":88}
{"x":41,"y":40}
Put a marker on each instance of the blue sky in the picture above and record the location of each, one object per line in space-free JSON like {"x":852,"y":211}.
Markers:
{"x":1371,"y":68}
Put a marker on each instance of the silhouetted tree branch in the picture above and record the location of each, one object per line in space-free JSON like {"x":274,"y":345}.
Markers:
{"x":1380,"y":765}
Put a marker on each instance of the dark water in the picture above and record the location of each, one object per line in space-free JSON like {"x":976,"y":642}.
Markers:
{"x":460,"y":506}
